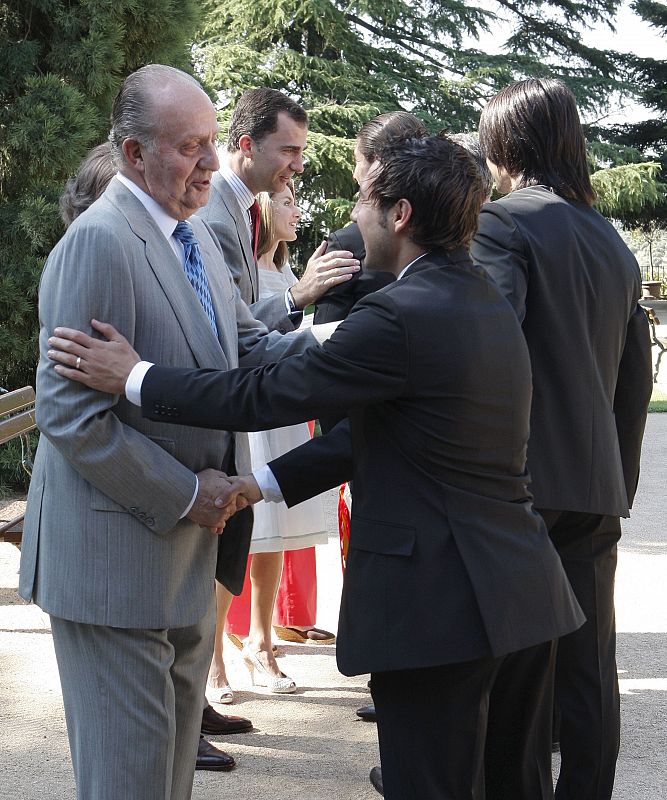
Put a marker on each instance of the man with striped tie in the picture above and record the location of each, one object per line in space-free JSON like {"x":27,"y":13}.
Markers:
{"x":117,"y":546}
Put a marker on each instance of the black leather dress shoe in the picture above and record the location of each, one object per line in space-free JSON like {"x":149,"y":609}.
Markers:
{"x":214,"y":724}
{"x":367,"y":713}
{"x":209,"y":757}
{"x":376,"y":779}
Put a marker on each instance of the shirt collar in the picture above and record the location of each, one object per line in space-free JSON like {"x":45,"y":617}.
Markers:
{"x":164,"y":222}
{"x":405,"y":269}
{"x":243,"y":195}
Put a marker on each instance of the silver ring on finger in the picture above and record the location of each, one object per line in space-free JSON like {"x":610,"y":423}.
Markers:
{"x":78,"y":363}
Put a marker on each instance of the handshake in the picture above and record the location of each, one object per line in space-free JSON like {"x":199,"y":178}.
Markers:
{"x":219,"y":496}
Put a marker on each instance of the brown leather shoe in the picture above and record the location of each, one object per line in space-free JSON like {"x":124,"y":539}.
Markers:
{"x":309,"y":636}
{"x":209,"y":757}
{"x":214,"y":724}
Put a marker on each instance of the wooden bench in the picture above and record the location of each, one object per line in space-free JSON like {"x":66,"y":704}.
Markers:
{"x":17,"y":419}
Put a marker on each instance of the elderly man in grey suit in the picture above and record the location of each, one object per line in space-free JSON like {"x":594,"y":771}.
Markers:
{"x":116,"y":547}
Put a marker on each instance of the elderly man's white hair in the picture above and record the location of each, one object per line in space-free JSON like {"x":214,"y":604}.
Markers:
{"x":131,"y":116}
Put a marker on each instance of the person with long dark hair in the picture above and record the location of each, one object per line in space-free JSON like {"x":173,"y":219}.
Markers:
{"x":574,"y":286}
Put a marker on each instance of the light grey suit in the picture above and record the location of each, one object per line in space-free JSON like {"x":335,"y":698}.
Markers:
{"x":227,"y":221}
{"x":103,"y":541}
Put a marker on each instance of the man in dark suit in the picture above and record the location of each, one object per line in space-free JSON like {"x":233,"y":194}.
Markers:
{"x":574,"y":286}
{"x":338,"y":301}
{"x":444,"y":537}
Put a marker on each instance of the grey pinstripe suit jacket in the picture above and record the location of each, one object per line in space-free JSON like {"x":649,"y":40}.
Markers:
{"x":103,"y":542}
{"x":226,"y":220}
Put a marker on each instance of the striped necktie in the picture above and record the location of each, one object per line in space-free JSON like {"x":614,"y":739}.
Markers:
{"x":194,"y":269}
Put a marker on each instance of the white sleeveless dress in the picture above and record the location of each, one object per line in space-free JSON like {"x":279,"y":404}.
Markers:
{"x":277,"y":527}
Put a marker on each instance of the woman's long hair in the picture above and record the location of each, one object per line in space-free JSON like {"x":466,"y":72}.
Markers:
{"x":266,"y":229}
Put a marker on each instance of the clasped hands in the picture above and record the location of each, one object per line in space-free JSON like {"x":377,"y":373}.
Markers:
{"x":105,"y":364}
{"x":220,"y":496}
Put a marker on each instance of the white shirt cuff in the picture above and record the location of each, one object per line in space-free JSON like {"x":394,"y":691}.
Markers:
{"x":268,"y":485}
{"x":194,"y":497}
{"x":133,"y":384}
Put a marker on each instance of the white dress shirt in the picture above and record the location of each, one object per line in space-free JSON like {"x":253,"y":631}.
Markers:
{"x":244,"y":197}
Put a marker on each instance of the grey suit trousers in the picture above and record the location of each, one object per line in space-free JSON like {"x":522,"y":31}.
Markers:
{"x":137,"y":693}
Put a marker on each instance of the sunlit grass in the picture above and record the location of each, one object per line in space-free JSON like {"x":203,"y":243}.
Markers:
{"x":658,"y":400}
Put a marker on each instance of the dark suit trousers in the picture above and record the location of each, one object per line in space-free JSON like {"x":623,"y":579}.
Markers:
{"x":586,"y":690}
{"x":431,"y":728}
{"x":434,"y":725}
{"x":517,"y":760}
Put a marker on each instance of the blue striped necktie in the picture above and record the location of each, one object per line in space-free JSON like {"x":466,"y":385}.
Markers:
{"x":194,"y":269}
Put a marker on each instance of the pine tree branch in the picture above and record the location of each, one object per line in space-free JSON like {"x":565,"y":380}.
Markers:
{"x":399,"y":39}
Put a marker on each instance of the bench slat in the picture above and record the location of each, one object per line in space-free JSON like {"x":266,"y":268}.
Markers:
{"x":10,"y":428}
{"x":16,"y":425}
{"x":16,"y":400}
{"x":12,"y":531}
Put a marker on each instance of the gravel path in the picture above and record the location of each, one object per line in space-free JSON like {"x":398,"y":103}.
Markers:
{"x":310,"y":745}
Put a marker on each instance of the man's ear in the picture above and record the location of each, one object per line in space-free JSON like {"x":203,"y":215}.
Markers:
{"x":246,"y":145}
{"x":402,"y":214}
{"x":132,"y":154}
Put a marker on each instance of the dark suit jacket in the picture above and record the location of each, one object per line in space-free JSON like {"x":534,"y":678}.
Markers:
{"x":444,"y":537}
{"x":574,"y":286}
{"x":339,"y":300}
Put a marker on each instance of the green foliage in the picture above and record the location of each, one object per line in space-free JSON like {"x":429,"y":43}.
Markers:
{"x":644,"y":141}
{"x":658,"y":402}
{"x":649,"y":246}
{"x":626,"y":189}
{"x":348,"y":61}
{"x":61,"y":63}
{"x":13,"y":475}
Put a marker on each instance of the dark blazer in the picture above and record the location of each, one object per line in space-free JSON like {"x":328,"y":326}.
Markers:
{"x":339,"y":300}
{"x":574,"y":286}
{"x":444,"y":536}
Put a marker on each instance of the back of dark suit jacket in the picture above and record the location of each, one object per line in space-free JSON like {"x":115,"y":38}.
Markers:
{"x":574,"y":285}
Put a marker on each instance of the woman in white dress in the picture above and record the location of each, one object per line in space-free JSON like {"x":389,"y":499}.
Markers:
{"x":276,"y":528}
